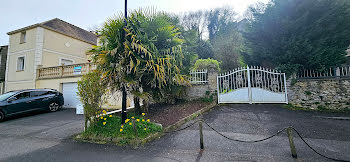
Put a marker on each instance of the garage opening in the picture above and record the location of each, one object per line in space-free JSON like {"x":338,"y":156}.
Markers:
{"x":71,"y":98}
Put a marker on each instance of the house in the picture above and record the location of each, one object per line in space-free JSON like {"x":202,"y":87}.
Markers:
{"x":3,"y":56}
{"x":51,"y":54}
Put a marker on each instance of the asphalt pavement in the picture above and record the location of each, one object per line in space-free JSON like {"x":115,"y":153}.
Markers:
{"x":46,"y":137}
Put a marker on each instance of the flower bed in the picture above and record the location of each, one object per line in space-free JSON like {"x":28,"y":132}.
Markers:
{"x":108,"y":128}
{"x":141,"y":129}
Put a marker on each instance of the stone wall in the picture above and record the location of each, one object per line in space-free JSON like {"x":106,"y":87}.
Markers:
{"x":200,"y":90}
{"x":320,"y":94}
{"x":197,"y":91}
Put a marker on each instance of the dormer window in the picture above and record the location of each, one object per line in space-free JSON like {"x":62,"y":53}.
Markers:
{"x":23,"y":37}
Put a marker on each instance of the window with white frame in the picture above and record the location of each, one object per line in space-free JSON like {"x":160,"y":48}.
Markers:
{"x":66,"y":62}
{"x":23,"y":37}
{"x":20,"y":63}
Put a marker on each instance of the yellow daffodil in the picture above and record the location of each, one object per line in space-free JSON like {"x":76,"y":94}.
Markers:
{"x":104,"y":119}
{"x":145,"y":129}
{"x":130,"y":123}
{"x":132,"y":117}
{"x":127,"y":120}
{"x":104,"y":123}
{"x":137,"y":120}
{"x":121,"y":130}
{"x":148,"y":120}
{"x":143,"y":114}
{"x":122,"y":126}
{"x":143,"y":120}
{"x":104,"y":112}
{"x":110,"y":116}
{"x":101,"y":117}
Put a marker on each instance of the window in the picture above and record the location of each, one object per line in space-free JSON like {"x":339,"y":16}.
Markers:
{"x":20,"y":63}
{"x":66,"y":62}
{"x":37,"y":93}
{"x":23,"y":95}
{"x":41,"y":93}
{"x":23,"y":37}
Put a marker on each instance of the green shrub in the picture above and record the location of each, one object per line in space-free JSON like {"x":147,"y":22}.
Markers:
{"x":321,"y":107}
{"x":209,"y":97}
{"x":205,"y":63}
{"x":91,"y":91}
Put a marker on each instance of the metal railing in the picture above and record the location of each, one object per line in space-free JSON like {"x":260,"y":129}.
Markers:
{"x":199,"y":76}
{"x":65,"y":71}
{"x":333,"y":72}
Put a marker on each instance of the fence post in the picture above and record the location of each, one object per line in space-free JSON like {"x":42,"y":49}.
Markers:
{"x":201,"y":134}
{"x":291,"y":142}
{"x":249,"y":86}
{"x":337,"y":72}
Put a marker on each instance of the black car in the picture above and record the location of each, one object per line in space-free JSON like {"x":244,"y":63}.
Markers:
{"x":21,"y":101}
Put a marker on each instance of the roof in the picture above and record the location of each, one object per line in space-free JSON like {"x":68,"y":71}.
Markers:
{"x":64,"y":28}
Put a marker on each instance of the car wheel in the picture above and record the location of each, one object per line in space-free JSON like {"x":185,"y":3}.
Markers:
{"x":54,"y":106}
{"x":2,"y":116}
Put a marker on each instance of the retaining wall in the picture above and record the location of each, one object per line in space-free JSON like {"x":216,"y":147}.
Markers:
{"x":331,"y":93}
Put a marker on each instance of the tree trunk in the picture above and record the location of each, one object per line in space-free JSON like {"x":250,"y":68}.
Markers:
{"x":145,"y":105}
{"x":86,"y":123}
{"x":138,"y":110}
{"x":124,"y":95}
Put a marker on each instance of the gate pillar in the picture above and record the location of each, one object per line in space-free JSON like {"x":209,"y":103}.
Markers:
{"x":212,"y":77}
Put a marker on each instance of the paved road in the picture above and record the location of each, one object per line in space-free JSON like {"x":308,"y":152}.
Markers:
{"x":331,"y":137}
{"x":30,"y":132}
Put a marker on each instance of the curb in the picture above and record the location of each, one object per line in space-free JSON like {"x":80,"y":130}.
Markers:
{"x":334,"y":118}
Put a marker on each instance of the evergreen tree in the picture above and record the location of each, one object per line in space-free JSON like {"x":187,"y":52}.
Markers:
{"x":294,"y":34}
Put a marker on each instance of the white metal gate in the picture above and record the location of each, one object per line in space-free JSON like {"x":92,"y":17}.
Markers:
{"x":252,"y":85}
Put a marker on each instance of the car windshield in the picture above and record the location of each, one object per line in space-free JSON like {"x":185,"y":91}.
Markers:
{"x":6,"y":95}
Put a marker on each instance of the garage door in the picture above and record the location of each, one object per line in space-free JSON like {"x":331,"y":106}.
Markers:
{"x":71,"y":98}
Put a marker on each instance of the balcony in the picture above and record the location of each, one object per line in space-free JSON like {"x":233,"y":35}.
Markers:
{"x":74,"y":70}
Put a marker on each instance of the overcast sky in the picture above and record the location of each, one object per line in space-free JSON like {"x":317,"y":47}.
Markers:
{"x":15,"y":14}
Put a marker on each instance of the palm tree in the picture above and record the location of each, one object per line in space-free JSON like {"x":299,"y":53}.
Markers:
{"x":146,"y":61}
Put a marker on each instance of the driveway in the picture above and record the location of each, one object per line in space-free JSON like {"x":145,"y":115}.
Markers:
{"x":240,"y":121}
{"x":31,"y":132}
